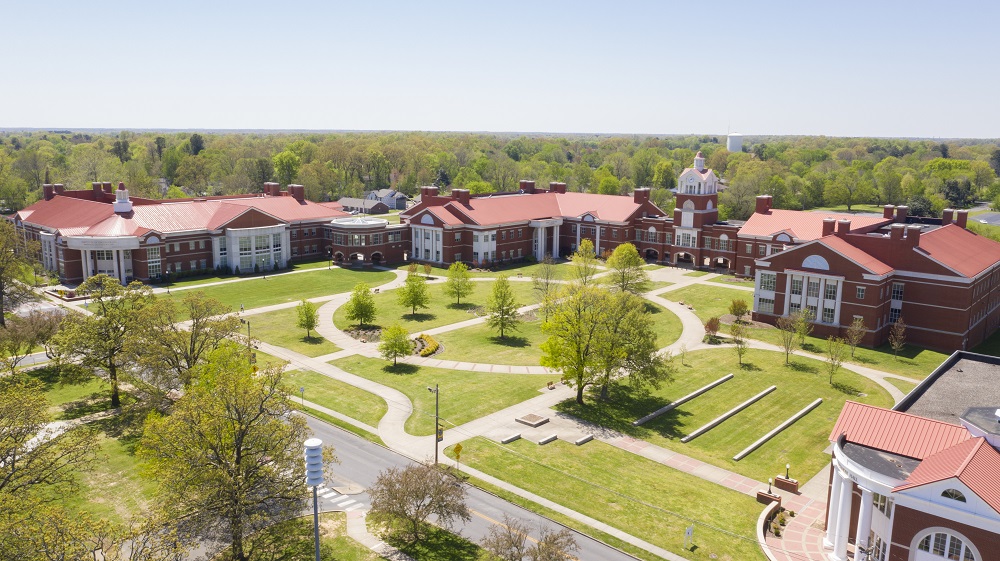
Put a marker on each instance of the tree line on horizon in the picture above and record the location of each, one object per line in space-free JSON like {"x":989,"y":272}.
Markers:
{"x":799,"y":172}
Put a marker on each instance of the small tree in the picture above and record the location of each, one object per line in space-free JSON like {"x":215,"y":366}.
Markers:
{"x":627,"y":273}
{"x":897,"y":336}
{"x":403,"y":499}
{"x":502,"y":307}
{"x":835,"y":350}
{"x":459,"y":283}
{"x":508,"y":541}
{"x":739,"y":308}
{"x":413,"y":294}
{"x":361,"y":306}
{"x":787,"y":333}
{"x":683,"y":351}
{"x":855,"y":333}
{"x":545,"y":285}
{"x":427,"y":270}
{"x":712,"y":327}
{"x":412,"y":268}
{"x":308,"y":316}
{"x":584,"y":263}
{"x":23,"y":333}
{"x":739,"y":333}
{"x":803,"y":324}
{"x":395,"y":343}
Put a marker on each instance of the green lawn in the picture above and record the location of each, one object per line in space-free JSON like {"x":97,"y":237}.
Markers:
{"x":479,"y":343}
{"x":442,"y":310}
{"x":708,"y":301}
{"x":798,"y":385}
{"x":278,"y":328}
{"x":297,"y":542}
{"x":259,"y":291}
{"x":696,"y":274}
{"x":653,"y":266}
{"x":654,"y":285}
{"x":653,"y":502}
{"x":903,"y":385}
{"x":563,"y":271}
{"x":464,"y":395}
{"x":732,"y":280}
{"x":334,"y":394}
{"x":206,"y":279}
{"x":114,"y":488}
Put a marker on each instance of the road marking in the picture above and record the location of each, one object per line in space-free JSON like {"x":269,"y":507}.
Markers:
{"x":345,"y":503}
{"x":354,"y":507}
{"x":328,"y":495}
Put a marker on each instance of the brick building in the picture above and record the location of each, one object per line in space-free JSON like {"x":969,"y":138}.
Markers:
{"x":920,"y":482}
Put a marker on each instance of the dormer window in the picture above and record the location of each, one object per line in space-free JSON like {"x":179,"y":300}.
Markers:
{"x":954,"y":494}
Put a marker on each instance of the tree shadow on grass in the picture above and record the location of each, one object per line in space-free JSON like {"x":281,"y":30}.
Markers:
{"x":463,"y":306}
{"x":623,"y":406}
{"x":862,"y":360}
{"x":750,"y":367}
{"x":419,"y":316}
{"x":802,"y":367}
{"x":513,"y":341}
{"x":400,"y":368}
{"x":87,"y":405}
{"x":438,"y":545}
{"x":846,"y":389}
{"x":811,"y":348}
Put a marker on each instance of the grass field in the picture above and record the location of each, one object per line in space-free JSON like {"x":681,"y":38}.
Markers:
{"x":259,"y":291}
{"x":655,"y":285}
{"x":708,"y":301}
{"x":278,"y":328}
{"x":114,"y":488}
{"x":464,"y":395}
{"x":696,"y":274}
{"x":479,"y":343}
{"x":798,"y":385}
{"x":334,"y":394}
{"x":206,"y":279}
{"x":903,"y":385}
{"x":296,"y":539}
{"x":442,"y":309}
{"x":653,"y":502}
{"x":563,"y":271}
{"x":733,"y":281}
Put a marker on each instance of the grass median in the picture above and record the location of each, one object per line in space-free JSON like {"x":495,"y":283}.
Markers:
{"x":336,"y":395}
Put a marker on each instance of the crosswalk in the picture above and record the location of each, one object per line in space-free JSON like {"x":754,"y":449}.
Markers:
{"x":337,"y":501}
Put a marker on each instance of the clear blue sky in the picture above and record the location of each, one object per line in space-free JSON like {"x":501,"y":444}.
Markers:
{"x":873,"y":68}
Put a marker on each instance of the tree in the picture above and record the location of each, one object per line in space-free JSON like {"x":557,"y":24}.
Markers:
{"x":803,"y":324}
{"x":459,"y":283}
{"x":553,"y":545}
{"x":712,"y":326}
{"x":739,"y":308}
{"x":228,"y":458}
{"x":897,"y":336}
{"x":502,"y":307}
{"x":855,"y":333}
{"x":413,"y":294}
{"x":99,"y":340}
{"x":121,"y":150}
{"x":23,"y":333}
{"x":544,"y":284}
{"x":403,"y":499}
{"x":508,"y":541}
{"x":395,"y":343}
{"x":627,"y":345}
{"x":850,"y":186}
{"x":361,"y":306}
{"x":286,"y":166}
{"x":308,"y":316}
{"x":196,"y":144}
{"x":835,"y":349}
{"x":574,"y":331}
{"x":17,"y":254}
{"x":584,"y":263}
{"x":160,"y":144}
{"x":173,"y":339}
{"x":627,"y":273}
{"x":787,"y":334}
{"x":427,"y":270}
{"x":741,"y":345}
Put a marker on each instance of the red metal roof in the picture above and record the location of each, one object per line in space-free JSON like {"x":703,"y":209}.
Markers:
{"x":855,"y":254}
{"x":504,"y":209}
{"x":974,"y":462}
{"x":960,"y":249}
{"x":803,"y":226}
{"x":896,"y":432}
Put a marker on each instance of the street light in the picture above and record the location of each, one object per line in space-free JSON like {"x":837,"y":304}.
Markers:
{"x":787,"y":467}
{"x":249,"y":352}
{"x":438,"y":433}
{"x":314,"y":477}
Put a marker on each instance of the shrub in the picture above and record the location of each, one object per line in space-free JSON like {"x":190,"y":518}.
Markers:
{"x":430,"y":345}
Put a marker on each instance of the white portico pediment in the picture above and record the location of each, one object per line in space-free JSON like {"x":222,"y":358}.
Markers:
{"x":103,"y":242}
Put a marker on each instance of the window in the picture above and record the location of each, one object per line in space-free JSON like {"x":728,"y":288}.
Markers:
{"x":572,"y":229}
{"x":475,"y":256}
{"x":458,"y":238}
{"x":940,"y":542}
{"x":475,"y":238}
{"x":177,"y":247}
{"x":493,"y":237}
{"x":762,"y":250}
{"x":194,"y":263}
{"x":878,"y":547}
{"x":893,"y":315}
{"x":191,"y":247}
{"x":668,"y":238}
{"x":767,"y":281}
{"x":954,"y":494}
{"x":794,"y":307}
{"x":201,"y":244}
{"x":830,"y":292}
{"x":897,"y":291}
{"x":749,"y":249}
{"x":458,"y":257}
{"x":746,"y":269}
{"x":883,"y":504}
{"x":812,"y":311}
{"x":765,"y":305}
{"x":861,"y":293}
{"x":503,"y":255}
{"x":376,"y":239}
{"x":614,"y":234}
{"x":503,"y":235}
{"x":812,"y":289}
{"x":604,"y":232}
{"x":103,"y":255}
{"x":153,"y":257}
{"x":797,"y":287}
{"x":520,"y":233}
{"x":827,"y":315}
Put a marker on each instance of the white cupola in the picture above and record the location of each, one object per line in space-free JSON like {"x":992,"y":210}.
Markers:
{"x":122,"y":204}
{"x":699,"y":161}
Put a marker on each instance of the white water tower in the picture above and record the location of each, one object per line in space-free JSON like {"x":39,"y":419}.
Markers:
{"x":734,"y":142}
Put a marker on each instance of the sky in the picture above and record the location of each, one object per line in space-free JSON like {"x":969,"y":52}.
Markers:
{"x":875,"y":68}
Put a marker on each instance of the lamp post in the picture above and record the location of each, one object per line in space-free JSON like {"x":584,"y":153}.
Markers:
{"x":787,"y":467}
{"x":437,"y":420}
{"x":249,"y":352}
{"x":314,"y":477}
{"x":769,"y":481}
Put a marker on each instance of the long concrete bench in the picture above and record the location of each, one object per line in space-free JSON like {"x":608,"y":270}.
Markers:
{"x":760,"y":441}
{"x":721,"y":418}
{"x":548,"y":439}
{"x":511,"y":438}
{"x":583,"y":440}
{"x":675,"y":404}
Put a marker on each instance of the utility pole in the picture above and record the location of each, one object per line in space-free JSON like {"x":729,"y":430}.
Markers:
{"x":438,"y":433}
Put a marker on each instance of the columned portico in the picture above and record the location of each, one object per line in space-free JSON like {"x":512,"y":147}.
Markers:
{"x":864,"y":525}
{"x":110,"y":257}
{"x":832,"y":518}
{"x":843,"y":521}
{"x":541,"y":236}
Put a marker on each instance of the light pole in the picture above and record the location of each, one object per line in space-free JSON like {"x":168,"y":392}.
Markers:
{"x":314,"y":477}
{"x":249,"y":352}
{"x":437,"y":420}
{"x":787,"y":467}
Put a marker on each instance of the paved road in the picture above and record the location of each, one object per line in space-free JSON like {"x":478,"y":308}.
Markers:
{"x":361,"y":461}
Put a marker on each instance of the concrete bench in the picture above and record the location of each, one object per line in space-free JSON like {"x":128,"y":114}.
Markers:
{"x":548,"y":439}
{"x":583,"y":440}
{"x":511,"y":438}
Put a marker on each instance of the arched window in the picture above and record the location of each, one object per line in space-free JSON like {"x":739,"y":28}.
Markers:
{"x":953,"y":494}
{"x":688,"y":205}
{"x":946,"y":546}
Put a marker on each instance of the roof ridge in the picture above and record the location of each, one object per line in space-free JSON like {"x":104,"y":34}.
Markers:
{"x":926,"y":419}
{"x":972,"y":453}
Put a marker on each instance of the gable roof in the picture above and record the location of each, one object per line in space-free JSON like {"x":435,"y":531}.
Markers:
{"x":522,"y":207}
{"x":801,"y":225}
{"x":896,"y":432}
{"x":959,"y":249}
{"x":855,"y":254}
{"x":359,"y":203}
{"x":974,"y":462}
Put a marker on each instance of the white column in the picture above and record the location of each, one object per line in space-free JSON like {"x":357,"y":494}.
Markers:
{"x":597,"y":240}
{"x":555,"y":242}
{"x":843,"y":523}
{"x":114,"y":260}
{"x":543,"y":233}
{"x":864,"y":525}
{"x":833,"y":510}
{"x":538,"y":243}
{"x":85,"y":263}
{"x":578,"y":228}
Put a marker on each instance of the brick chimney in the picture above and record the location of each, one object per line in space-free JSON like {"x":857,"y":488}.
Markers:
{"x":556,"y":187}
{"x":428,"y":191}
{"x":108,"y":188}
{"x":843,"y":227}
{"x":829,"y":224}
{"x":298,"y":192}
{"x":888,"y":211}
{"x":640,"y":195}
{"x":272,"y":189}
{"x":527,"y":186}
{"x":947,"y":216}
{"x":763,"y":204}
{"x":913,"y":235}
{"x":901,"y":212}
{"x":461,"y":195}
{"x":962,"y":218}
{"x":896,"y":232}
{"x":48,"y":191}
{"x":96,"y":188}
{"x":59,"y":188}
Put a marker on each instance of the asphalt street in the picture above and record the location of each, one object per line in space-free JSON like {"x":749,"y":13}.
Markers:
{"x":361,"y":461}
